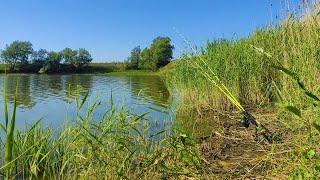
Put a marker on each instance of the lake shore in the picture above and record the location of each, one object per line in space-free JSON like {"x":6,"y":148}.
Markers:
{"x":92,"y":68}
{"x":245,"y":109}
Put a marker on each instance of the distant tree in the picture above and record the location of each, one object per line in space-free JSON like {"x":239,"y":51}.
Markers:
{"x":40,"y":56}
{"x":54,"y":57}
{"x":69,"y":55}
{"x":53,"y":63}
{"x":83,"y":58}
{"x":162,"y":51}
{"x":146,"y":61}
{"x":134,"y":58}
{"x":17,"y":52}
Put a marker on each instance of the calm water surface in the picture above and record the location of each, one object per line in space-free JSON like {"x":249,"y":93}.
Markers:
{"x":46,"y":96}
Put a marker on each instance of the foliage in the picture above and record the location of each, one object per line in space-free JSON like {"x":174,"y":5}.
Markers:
{"x":120,"y":145}
{"x":17,"y":52}
{"x":20,"y":57}
{"x":158,"y":55}
{"x":69,"y":55}
{"x":261,"y":81}
{"x":9,"y":128}
{"x":39,"y":57}
{"x":146,"y":61}
{"x":83,"y":58}
{"x":52,"y":63}
{"x":161,"y":49}
{"x":134,"y":59}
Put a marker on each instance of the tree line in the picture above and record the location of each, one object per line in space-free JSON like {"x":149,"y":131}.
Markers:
{"x":20,"y":56}
{"x":154,"y":57}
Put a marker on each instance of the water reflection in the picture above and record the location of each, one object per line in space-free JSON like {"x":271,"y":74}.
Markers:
{"x":45,"y":96}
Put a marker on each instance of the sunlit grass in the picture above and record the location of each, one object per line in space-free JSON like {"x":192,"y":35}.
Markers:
{"x":247,"y":68}
{"x":119,"y":145}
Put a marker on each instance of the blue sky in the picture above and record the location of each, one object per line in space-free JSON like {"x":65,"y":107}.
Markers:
{"x":109,"y":29}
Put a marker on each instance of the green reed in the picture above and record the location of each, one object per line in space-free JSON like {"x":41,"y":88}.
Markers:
{"x":119,"y":145}
{"x":9,"y":128}
{"x":253,"y":78}
{"x":248,"y":75}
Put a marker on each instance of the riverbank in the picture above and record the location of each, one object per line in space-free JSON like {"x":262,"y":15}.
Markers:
{"x":133,"y":73}
{"x":118,"y":145}
{"x":92,"y":68}
{"x":274,"y":74}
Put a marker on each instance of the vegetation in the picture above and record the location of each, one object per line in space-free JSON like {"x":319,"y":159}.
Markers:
{"x":273,"y":73}
{"x":20,"y":57}
{"x":119,"y":145}
{"x":134,"y":58}
{"x":157,"y":56}
{"x":259,"y":71}
{"x":17,"y":52}
{"x":21,"y":53}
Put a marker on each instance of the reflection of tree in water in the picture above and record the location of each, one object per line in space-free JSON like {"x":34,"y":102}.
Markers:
{"x":73,"y":82}
{"x":24,"y":91}
{"x":38,"y":88}
{"x":151,"y":88}
{"x":55,"y":84}
{"x":43,"y":86}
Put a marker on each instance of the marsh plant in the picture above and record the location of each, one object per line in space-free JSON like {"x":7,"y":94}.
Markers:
{"x":119,"y":145}
{"x":274,"y":72}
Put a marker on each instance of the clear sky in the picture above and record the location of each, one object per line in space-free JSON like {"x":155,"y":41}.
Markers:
{"x":109,"y":29}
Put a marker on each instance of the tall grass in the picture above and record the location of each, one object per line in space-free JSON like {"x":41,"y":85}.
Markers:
{"x":9,"y":128}
{"x":247,"y":68}
{"x":119,"y":145}
{"x":249,"y":75}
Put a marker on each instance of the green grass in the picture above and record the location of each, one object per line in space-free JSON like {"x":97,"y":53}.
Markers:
{"x":92,"y":68}
{"x":2,"y":68}
{"x":247,"y":68}
{"x":104,"y":67}
{"x":118,"y":146}
{"x":132,"y":73}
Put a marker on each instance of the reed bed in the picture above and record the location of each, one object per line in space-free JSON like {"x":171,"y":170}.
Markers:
{"x":250,"y":75}
{"x":118,"y":146}
{"x":255,"y":70}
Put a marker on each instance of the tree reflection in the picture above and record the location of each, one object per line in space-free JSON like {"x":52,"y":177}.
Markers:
{"x":33,"y":89}
{"x":24,"y":97}
{"x":151,"y":89}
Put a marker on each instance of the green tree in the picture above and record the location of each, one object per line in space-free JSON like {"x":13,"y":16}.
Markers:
{"x":40,"y":56}
{"x":69,"y":55}
{"x":134,"y":58}
{"x":53,"y":63}
{"x":17,"y":52}
{"x":83,"y":58}
{"x":162,"y":51}
{"x":146,"y":61}
{"x":54,"y":57}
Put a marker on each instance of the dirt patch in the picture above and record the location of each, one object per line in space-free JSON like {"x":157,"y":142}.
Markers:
{"x":233,"y":151}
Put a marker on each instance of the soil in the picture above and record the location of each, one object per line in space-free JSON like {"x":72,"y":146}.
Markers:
{"x":233,"y":151}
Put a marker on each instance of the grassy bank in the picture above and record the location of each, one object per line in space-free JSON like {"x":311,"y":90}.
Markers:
{"x":120,"y":145}
{"x":92,"y":68}
{"x":273,"y":73}
{"x":249,"y":68}
{"x":133,"y":73}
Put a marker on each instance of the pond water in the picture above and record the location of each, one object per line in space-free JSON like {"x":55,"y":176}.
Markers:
{"x":47,"y":96}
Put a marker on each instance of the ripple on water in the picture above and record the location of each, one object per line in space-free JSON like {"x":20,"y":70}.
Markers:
{"x":46,"y":96}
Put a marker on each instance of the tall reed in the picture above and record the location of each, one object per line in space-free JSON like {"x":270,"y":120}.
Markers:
{"x":119,"y":145}
{"x":248,"y":75}
{"x":9,"y":128}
